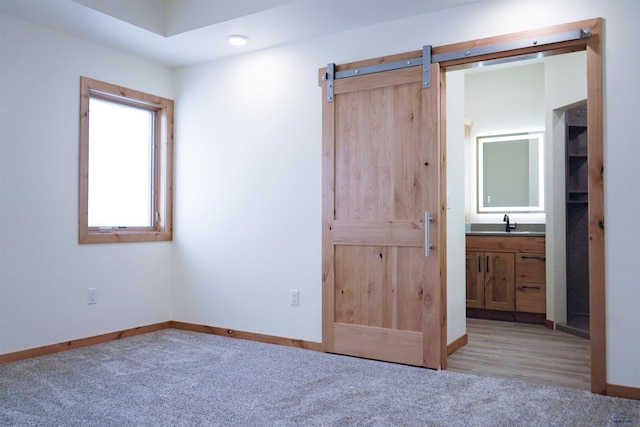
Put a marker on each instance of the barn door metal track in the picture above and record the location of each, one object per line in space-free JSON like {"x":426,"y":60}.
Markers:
{"x":332,"y":75}
{"x":516,"y":44}
{"x":427,"y":58}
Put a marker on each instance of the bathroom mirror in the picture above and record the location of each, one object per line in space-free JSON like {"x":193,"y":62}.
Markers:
{"x":510,"y":173}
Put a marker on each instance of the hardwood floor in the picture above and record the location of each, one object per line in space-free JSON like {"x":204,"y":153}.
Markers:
{"x":525,"y":352}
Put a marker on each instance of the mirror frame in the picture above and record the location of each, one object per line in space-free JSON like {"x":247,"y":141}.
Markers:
{"x":481,"y":140}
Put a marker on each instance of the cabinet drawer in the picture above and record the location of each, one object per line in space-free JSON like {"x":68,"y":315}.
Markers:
{"x":531,"y":268}
{"x":531,"y":297}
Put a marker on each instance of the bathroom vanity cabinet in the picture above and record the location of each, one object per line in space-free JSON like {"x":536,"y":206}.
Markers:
{"x":490,"y":280}
{"x":506,"y":277}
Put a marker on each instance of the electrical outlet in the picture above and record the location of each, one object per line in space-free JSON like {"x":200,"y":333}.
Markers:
{"x":294,"y":297}
{"x":92,"y":296}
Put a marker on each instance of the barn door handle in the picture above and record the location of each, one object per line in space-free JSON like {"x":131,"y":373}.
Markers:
{"x":427,"y":240}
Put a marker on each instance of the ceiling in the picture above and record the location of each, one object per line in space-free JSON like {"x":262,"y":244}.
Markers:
{"x":183,"y":32}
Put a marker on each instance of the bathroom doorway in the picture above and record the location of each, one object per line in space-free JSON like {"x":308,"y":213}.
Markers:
{"x":596,"y":246}
{"x":525,"y":97}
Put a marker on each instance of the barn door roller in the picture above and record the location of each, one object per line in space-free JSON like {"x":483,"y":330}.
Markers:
{"x":427,"y":58}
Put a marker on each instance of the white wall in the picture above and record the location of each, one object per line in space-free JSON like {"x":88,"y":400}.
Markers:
{"x":456,"y":245}
{"x":248,"y":168}
{"x":565,"y":83}
{"x":502,"y":99}
{"x":44,"y":273}
{"x":248,"y":194}
{"x":622,"y":198}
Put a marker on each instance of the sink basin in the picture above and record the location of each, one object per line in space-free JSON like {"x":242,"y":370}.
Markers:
{"x":498,"y":229}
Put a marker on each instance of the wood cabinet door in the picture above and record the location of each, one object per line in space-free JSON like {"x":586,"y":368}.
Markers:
{"x":382,"y":295}
{"x":499,"y":281}
{"x":475,"y":279}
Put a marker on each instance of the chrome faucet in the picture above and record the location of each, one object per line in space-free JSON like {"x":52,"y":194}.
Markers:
{"x":509,"y":227}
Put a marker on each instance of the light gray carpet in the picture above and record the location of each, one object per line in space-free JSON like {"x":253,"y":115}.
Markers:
{"x":179,"y":378}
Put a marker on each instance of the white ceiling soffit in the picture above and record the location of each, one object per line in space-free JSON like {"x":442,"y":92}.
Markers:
{"x":171,"y":17}
{"x":183,"y":32}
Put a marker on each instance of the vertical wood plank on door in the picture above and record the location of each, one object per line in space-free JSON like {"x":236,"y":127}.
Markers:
{"x":328,"y":215}
{"x":383,"y":129}
{"x":433,"y":302}
{"x":407,"y":168}
{"x":374,"y":270}
{"x":442,"y":222}
{"x":346,"y":154}
{"x":410,"y":289}
{"x":390,"y":297}
{"x":346,"y":291}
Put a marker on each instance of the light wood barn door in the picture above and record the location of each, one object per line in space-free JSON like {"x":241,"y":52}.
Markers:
{"x":381,"y":293}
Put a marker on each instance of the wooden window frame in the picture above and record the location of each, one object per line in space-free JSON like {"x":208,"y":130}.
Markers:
{"x":161,"y":229}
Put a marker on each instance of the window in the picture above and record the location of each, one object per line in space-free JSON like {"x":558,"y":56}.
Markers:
{"x":126,"y":163}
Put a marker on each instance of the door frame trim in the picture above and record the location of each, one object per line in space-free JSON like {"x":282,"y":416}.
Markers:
{"x":593,"y":47}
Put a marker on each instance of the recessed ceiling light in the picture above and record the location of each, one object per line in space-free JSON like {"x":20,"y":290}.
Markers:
{"x":237,"y":40}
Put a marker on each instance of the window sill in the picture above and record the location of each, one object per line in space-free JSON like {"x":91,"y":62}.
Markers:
{"x":123,"y":236}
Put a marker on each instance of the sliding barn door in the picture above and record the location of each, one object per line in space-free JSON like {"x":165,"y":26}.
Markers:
{"x":381,"y":285}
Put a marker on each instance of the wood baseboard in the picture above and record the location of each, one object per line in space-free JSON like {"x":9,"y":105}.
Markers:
{"x":623,"y":391}
{"x":82,"y":342}
{"x":508,"y":316}
{"x":457,"y":344}
{"x":251,"y":336}
{"x":112,"y":336}
{"x":549,"y":324}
